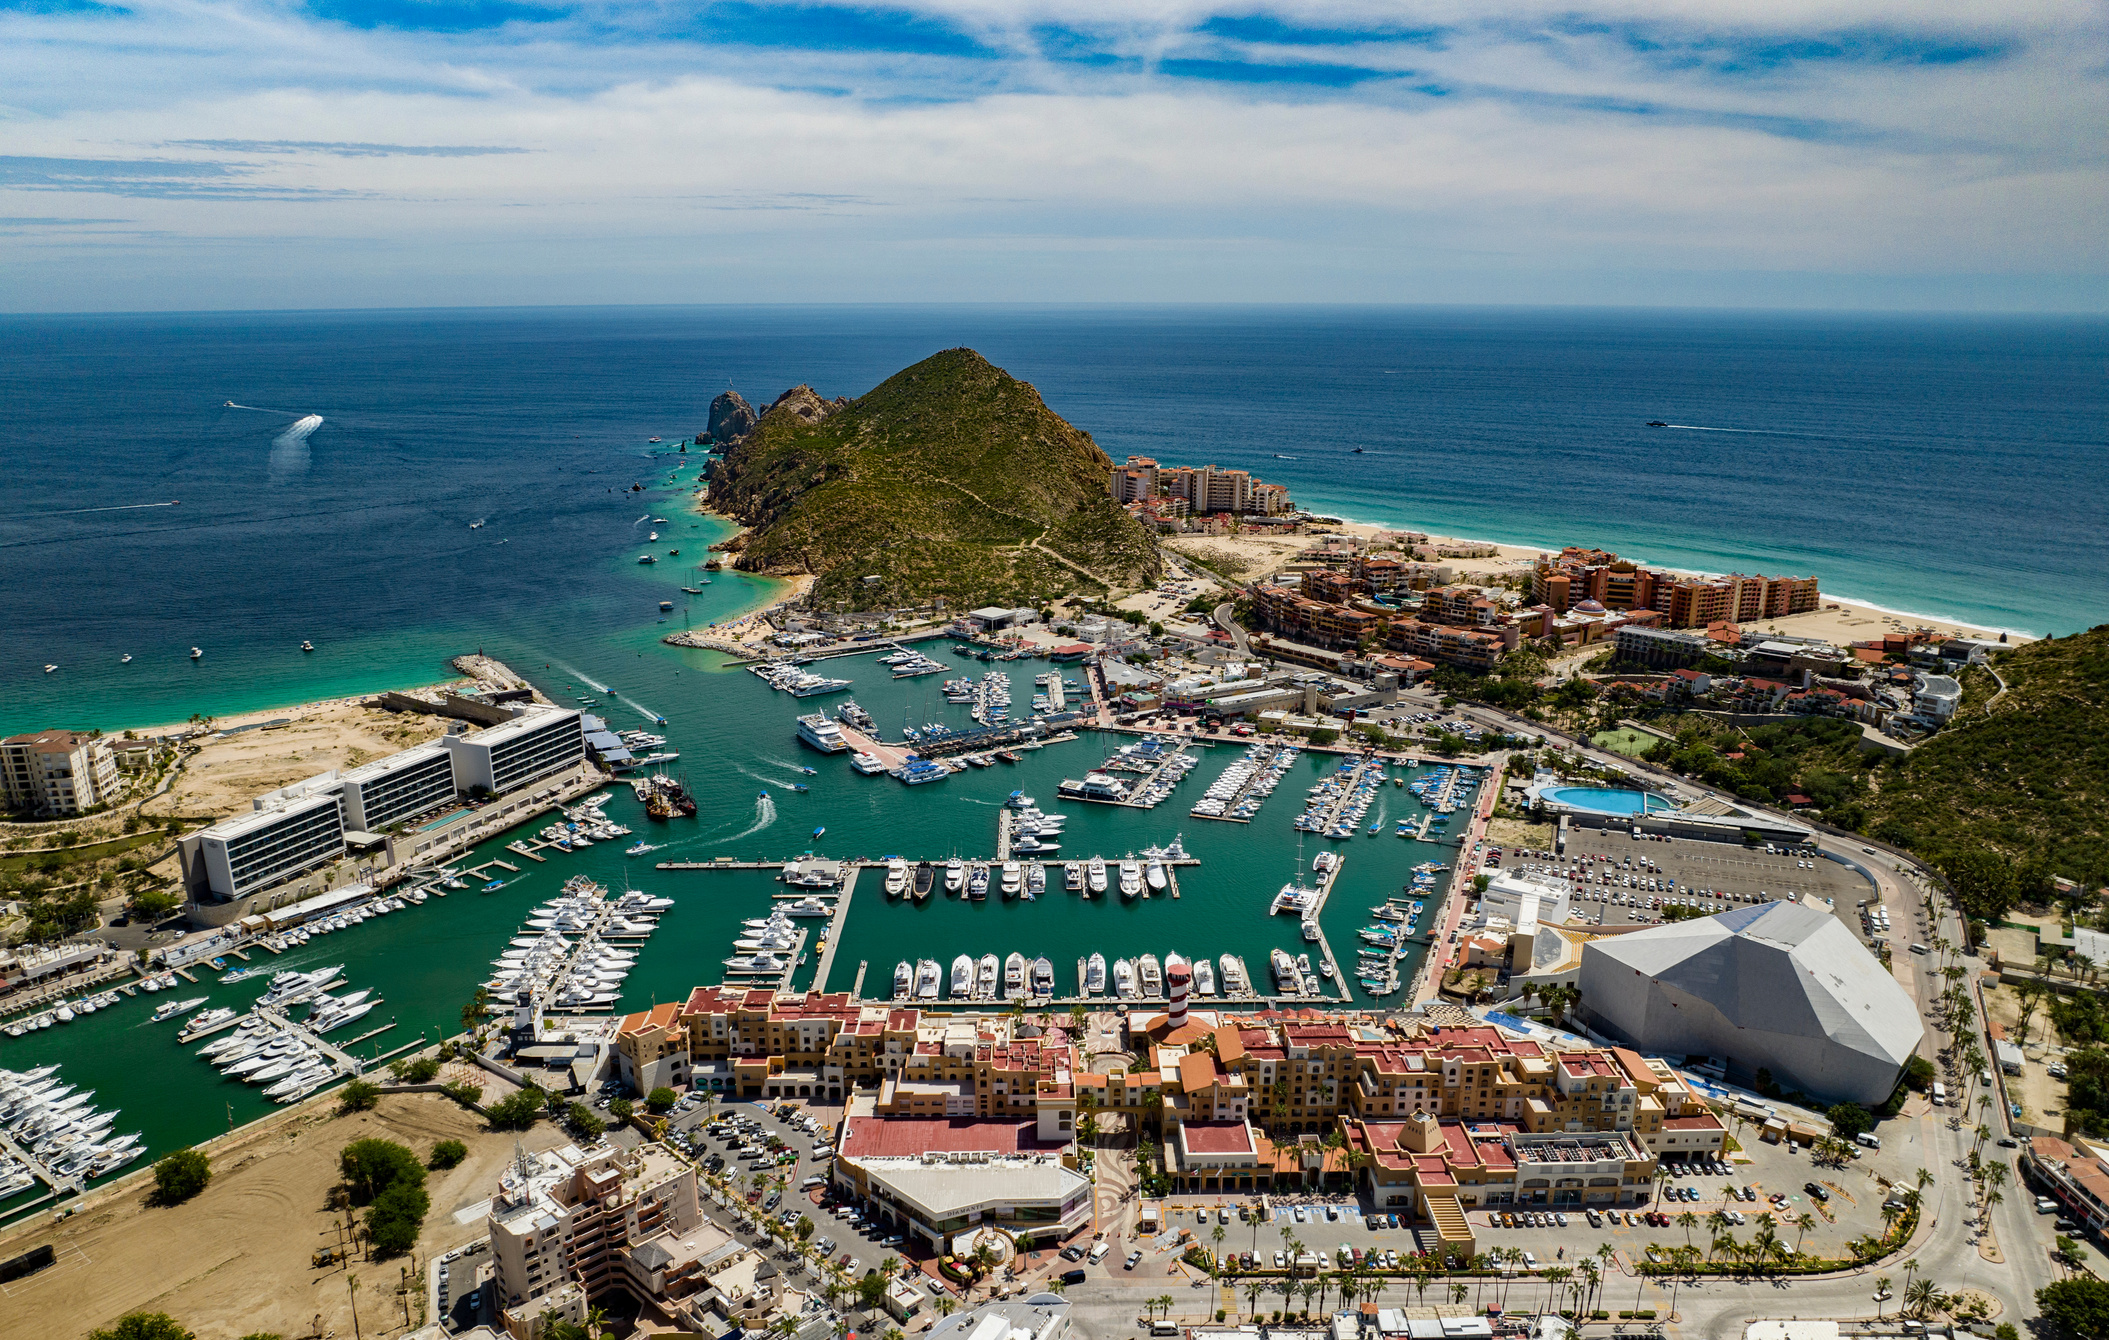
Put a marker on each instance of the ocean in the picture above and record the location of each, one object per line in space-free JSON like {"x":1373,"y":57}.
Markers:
{"x":1947,"y":467}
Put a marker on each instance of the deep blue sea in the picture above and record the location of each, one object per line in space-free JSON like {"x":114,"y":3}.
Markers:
{"x":1946,"y":466}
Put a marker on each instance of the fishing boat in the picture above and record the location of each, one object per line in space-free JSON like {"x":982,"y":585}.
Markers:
{"x":307,"y":646}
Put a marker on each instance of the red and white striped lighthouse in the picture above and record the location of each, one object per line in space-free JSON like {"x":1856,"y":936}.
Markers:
{"x":1177,"y":978}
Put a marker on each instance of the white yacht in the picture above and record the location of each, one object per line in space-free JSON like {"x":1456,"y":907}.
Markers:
{"x":896,"y":877}
{"x":1095,"y":974}
{"x":985,"y":977}
{"x":1073,"y":876}
{"x":926,"y":979}
{"x":1130,"y":878}
{"x":1204,"y":978}
{"x":868,"y":764}
{"x":955,"y":875}
{"x":1154,"y":875}
{"x":822,"y":734}
{"x":1013,"y":879}
{"x":962,"y":977}
{"x":1124,"y":979}
{"x":1234,"y":983}
{"x":1014,"y":976}
{"x":1095,"y":874}
{"x":903,"y":979}
{"x":170,"y":1009}
{"x":1152,"y":975}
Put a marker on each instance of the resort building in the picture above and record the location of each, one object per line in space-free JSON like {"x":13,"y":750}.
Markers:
{"x":496,"y":759}
{"x":2074,"y":1175}
{"x":291,"y":831}
{"x":1203,"y":489}
{"x":571,"y":1217}
{"x":1658,"y":646}
{"x":1781,"y":987}
{"x":56,"y":772}
{"x":402,"y":786}
{"x":651,"y":1049}
{"x":1565,"y":580}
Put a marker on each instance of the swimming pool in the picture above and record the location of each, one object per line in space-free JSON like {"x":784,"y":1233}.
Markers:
{"x":1604,"y":800}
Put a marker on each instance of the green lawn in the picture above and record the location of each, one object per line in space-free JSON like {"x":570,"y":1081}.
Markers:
{"x":1625,"y":740}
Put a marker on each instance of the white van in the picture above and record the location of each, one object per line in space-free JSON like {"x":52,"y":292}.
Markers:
{"x":1940,"y":1094}
{"x":1868,"y":1141}
{"x":1098,"y":1253}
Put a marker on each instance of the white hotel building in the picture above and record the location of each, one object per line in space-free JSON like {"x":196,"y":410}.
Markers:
{"x":303,"y":827}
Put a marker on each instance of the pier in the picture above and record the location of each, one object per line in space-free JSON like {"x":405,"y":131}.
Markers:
{"x":1262,"y":764}
{"x":834,"y":930}
{"x":60,"y":1185}
{"x":1330,"y":812}
{"x":1313,"y":916}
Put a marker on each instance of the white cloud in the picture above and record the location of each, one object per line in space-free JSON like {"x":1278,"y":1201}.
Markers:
{"x":1740,"y":154}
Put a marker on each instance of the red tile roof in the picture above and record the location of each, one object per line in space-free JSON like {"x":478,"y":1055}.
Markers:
{"x":902,"y":1137}
{"x":1217,"y":1137}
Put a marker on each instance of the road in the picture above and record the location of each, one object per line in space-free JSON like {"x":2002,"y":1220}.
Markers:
{"x":1229,"y":624}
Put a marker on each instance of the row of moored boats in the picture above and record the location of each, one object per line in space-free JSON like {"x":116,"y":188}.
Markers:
{"x":1240,"y":789}
{"x":60,"y":1128}
{"x":1021,"y":978}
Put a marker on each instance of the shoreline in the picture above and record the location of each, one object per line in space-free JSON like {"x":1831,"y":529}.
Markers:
{"x":1526,"y":549}
{"x":1510,"y":554}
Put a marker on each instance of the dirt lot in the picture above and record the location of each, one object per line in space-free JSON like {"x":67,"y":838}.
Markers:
{"x":1512,"y":834}
{"x":227,"y":773}
{"x":236,"y":1259}
{"x":2042,"y":1098}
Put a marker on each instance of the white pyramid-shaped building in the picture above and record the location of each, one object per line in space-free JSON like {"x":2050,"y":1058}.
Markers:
{"x":1782,"y":987}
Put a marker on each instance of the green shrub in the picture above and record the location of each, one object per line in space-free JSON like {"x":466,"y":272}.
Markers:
{"x":447,"y":1154}
{"x":516,"y":1111}
{"x":372,"y":1166}
{"x":398,"y":1213}
{"x":661,"y":1098}
{"x":359,"y":1095}
{"x":461,"y":1091}
{"x":178,"y":1177}
{"x":145,"y":1326}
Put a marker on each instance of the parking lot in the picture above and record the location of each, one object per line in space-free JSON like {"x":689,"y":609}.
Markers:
{"x":1619,"y":880}
{"x":1852,"y":1208}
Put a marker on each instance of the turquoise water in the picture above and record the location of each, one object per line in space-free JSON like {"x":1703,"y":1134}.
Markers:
{"x":736,"y":739}
{"x":1606,"y":801}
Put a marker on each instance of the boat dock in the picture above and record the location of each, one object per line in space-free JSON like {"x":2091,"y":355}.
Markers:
{"x":1261,"y":762}
{"x":1314,"y":916}
{"x":344,"y":1061}
{"x":834,"y":931}
{"x":1338,"y":805}
{"x":60,"y":1185}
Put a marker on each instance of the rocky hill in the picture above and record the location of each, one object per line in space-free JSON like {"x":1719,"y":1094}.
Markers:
{"x":950,"y":478}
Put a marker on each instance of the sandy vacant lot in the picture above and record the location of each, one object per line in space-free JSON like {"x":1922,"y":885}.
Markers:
{"x":236,"y":1259}
{"x":230,"y":771}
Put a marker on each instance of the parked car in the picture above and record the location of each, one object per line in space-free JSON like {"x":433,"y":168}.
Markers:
{"x":1135,"y":1259}
{"x":1815,"y":1191}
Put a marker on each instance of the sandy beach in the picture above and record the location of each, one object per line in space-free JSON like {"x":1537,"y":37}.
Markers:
{"x":1248,"y":557}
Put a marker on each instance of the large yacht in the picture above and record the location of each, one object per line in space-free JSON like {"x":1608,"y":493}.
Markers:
{"x":896,"y":877}
{"x":1073,"y":876}
{"x":955,"y":875}
{"x":868,"y":764}
{"x":1204,"y":977}
{"x":1285,"y":975}
{"x":1013,"y":879}
{"x":925,"y":878}
{"x":1130,"y":878}
{"x":1095,"y":874}
{"x":1095,"y":974}
{"x":926,"y":979}
{"x":985,"y":977}
{"x":1234,"y":983}
{"x":1014,"y":976}
{"x":1152,"y":976}
{"x":822,"y":734}
{"x":1042,"y":977}
{"x":978,"y":882}
{"x":1124,"y":979}
{"x":1153,"y":875}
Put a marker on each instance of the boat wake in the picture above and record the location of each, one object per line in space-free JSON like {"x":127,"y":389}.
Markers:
{"x":647,"y":713}
{"x":289,"y":450}
{"x":299,"y":431}
{"x":582,"y":677}
{"x":1761,"y":432}
{"x":764,"y":815}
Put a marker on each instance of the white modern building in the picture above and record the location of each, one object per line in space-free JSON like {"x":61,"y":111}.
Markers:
{"x":1782,"y":987}
{"x":1524,"y":903}
{"x":496,"y":759}
{"x":1040,"y":1316}
{"x":290,"y":831}
{"x":401,"y":786}
{"x":57,"y":772}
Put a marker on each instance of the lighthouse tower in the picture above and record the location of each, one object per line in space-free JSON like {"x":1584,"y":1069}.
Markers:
{"x":1177,"y":979}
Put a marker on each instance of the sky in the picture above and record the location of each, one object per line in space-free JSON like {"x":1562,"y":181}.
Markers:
{"x":243,"y":154}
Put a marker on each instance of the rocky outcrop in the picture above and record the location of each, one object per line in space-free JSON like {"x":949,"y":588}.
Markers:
{"x":731,"y":418}
{"x":804,"y":404}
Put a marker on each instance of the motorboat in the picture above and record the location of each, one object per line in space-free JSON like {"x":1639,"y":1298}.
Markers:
{"x":1095,"y":875}
{"x":1154,"y":876}
{"x":1014,"y":976}
{"x":1124,"y":979}
{"x":1013,"y":879}
{"x":1130,"y":878}
{"x":1234,"y":982}
{"x":978,"y":882}
{"x":962,"y":977}
{"x":1095,"y":974}
{"x":955,"y":876}
{"x":926,"y":979}
{"x":903,"y":979}
{"x":1042,"y":977}
{"x":925,"y":878}
{"x":170,"y":1009}
{"x":1073,"y":876}
{"x":1152,"y":974}
{"x":1204,"y":977}
{"x":1285,"y":975}
{"x":1036,"y":879}
{"x":896,"y":877}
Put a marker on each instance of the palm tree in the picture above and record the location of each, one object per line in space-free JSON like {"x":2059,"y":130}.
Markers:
{"x":1881,"y":1295}
{"x":1920,"y":1296}
{"x":1802,"y":1224}
{"x":1253,"y":1290}
{"x":1687,"y":1221}
{"x":1457,"y":1294}
{"x":1216,"y":1260}
{"x":1556,"y":1284}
